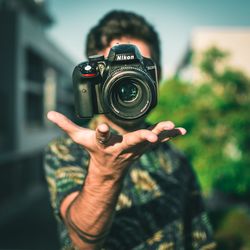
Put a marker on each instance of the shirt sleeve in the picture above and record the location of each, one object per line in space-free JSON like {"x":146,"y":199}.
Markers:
{"x":65,"y":165}
{"x":198,"y":231}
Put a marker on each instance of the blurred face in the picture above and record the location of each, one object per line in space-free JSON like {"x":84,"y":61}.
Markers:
{"x":143,"y":47}
{"x":145,"y":51}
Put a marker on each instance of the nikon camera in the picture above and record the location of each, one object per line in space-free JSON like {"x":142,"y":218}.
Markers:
{"x":124,"y":84}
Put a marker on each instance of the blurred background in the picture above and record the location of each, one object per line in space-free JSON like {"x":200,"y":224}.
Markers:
{"x":205,"y":88}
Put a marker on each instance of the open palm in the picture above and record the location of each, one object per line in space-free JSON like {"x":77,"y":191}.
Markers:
{"x":108,"y":150}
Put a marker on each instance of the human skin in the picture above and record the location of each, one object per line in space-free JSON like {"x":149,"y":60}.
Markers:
{"x":92,"y":209}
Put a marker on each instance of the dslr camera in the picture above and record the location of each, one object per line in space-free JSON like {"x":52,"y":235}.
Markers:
{"x":124,"y":84}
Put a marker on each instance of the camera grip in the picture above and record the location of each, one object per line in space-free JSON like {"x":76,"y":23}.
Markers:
{"x":83,"y":95}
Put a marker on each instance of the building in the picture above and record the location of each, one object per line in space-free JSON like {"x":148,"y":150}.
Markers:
{"x":235,"y":41}
{"x":35,"y":77}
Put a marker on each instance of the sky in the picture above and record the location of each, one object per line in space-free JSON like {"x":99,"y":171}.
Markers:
{"x":173,"y":19}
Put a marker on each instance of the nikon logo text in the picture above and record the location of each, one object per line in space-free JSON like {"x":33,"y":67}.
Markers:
{"x":124,"y":57}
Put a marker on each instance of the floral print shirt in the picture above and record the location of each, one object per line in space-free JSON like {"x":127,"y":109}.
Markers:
{"x":160,"y":205}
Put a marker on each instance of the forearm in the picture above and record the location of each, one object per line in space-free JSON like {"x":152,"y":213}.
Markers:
{"x":93,"y":208}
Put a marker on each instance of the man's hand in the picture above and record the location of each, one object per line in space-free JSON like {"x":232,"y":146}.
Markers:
{"x":91,"y":210}
{"x":111,"y":153}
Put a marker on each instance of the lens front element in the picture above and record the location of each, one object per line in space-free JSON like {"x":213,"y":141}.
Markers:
{"x":127,"y":92}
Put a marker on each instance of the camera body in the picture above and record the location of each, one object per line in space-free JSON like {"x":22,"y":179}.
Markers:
{"x":124,"y":84}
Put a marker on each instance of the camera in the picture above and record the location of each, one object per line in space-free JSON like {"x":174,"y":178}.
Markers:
{"x":124,"y":84}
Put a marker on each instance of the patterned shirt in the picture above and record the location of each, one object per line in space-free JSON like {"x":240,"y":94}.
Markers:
{"x":160,"y":205}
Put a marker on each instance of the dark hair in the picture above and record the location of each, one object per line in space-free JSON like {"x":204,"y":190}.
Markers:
{"x":116,"y":24}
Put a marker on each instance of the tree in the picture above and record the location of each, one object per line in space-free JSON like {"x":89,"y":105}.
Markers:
{"x":216,"y":113}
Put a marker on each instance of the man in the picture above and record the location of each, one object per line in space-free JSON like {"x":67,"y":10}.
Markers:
{"x":129,"y":188}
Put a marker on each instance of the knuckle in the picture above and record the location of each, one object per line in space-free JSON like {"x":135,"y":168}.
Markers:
{"x":170,"y":124}
{"x":161,"y":124}
{"x":143,"y":133}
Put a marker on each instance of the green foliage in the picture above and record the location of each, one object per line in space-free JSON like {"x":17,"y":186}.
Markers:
{"x":216,"y":114}
{"x":233,"y":230}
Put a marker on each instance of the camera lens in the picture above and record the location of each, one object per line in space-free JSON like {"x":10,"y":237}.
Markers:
{"x":127,"y":92}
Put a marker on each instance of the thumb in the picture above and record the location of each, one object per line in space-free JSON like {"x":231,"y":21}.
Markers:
{"x":103,"y":134}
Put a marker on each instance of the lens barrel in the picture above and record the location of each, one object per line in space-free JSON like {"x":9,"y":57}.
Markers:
{"x":129,"y":93}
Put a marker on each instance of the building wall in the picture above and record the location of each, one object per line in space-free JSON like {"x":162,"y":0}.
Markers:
{"x":234,"y":41}
{"x":35,"y":77}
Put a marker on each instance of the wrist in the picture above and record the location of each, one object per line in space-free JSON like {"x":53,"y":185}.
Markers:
{"x":105,"y":172}
{"x":84,"y":236}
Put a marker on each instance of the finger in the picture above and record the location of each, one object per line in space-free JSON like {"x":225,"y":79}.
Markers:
{"x":63,"y":122}
{"x":161,"y":126}
{"x":169,"y":134}
{"x":139,"y":136}
{"x":103,"y":134}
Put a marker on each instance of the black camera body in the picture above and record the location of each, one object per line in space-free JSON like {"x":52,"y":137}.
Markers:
{"x":124,"y":84}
